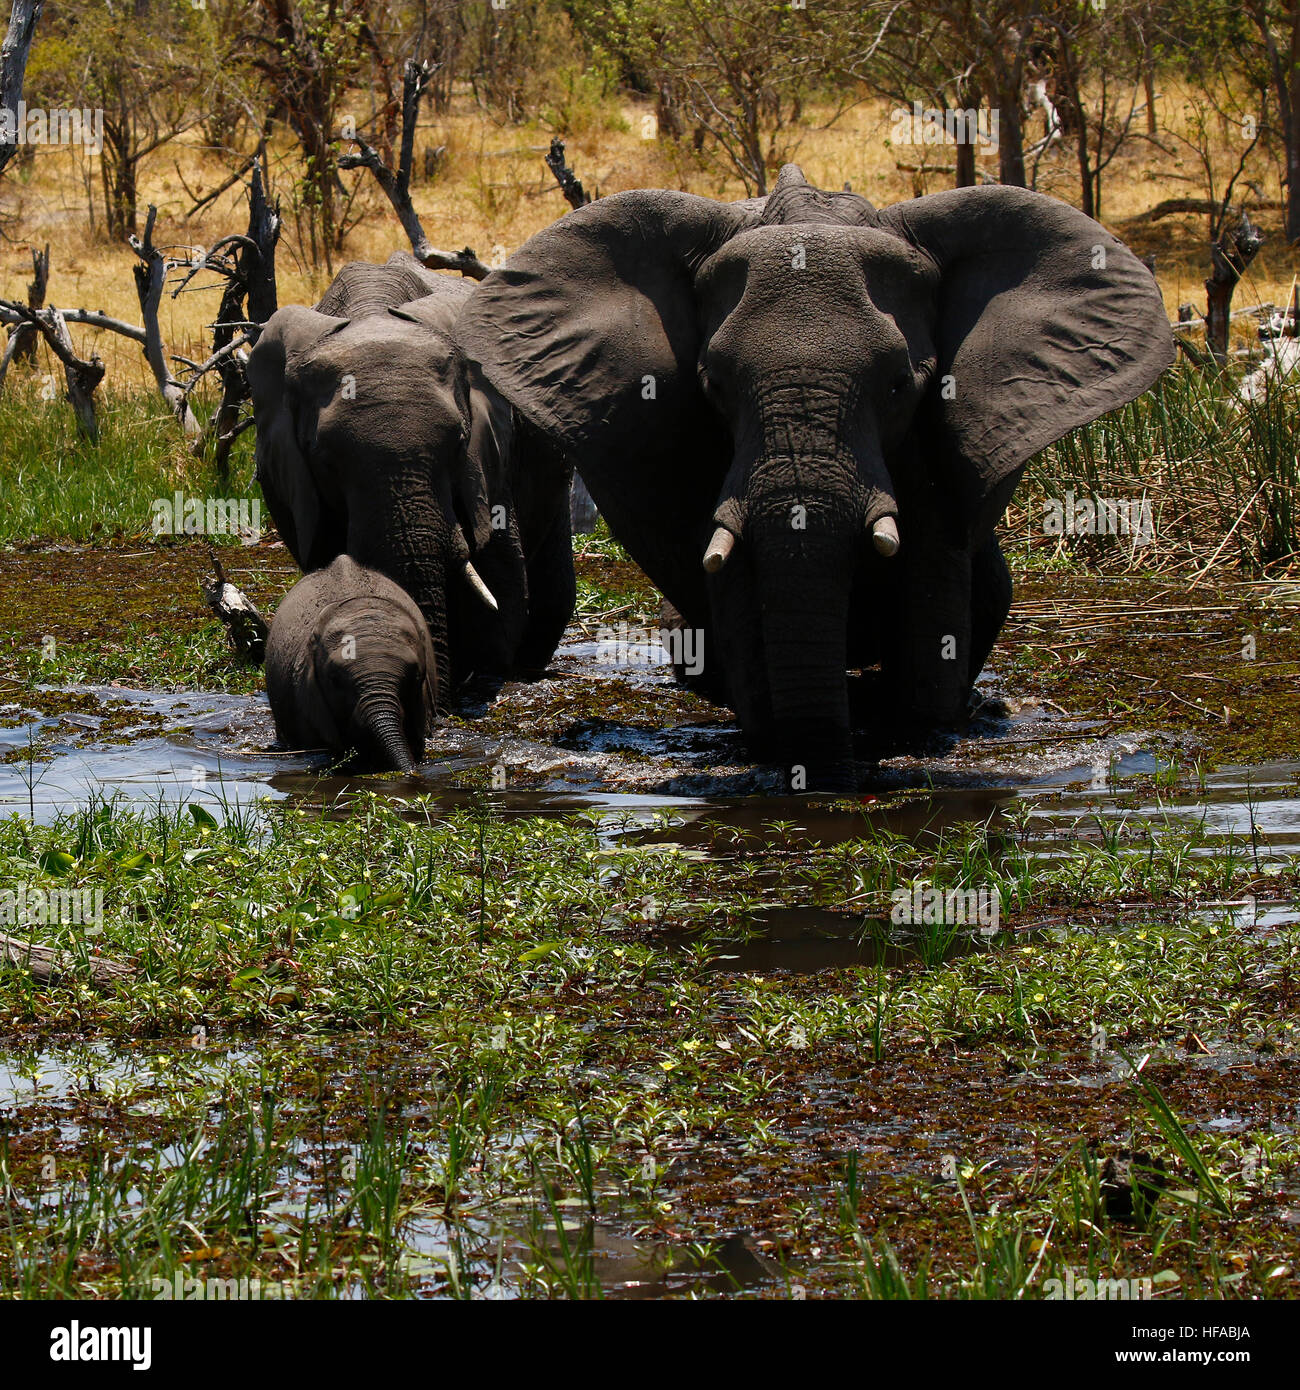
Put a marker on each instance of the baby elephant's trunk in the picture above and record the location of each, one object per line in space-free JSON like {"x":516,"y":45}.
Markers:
{"x":379,"y":724}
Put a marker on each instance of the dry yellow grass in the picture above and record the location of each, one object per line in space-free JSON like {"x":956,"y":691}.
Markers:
{"x":493,"y":192}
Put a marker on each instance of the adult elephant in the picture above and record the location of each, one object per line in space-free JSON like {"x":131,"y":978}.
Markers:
{"x":378,"y":439}
{"x":803,"y":416}
{"x":362,"y":287}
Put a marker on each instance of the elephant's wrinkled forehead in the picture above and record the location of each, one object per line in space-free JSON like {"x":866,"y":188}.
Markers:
{"x":854,"y":269}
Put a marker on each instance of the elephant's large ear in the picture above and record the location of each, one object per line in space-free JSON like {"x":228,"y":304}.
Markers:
{"x":481,"y":479}
{"x":590,"y":329}
{"x":284,"y":411}
{"x":1045,"y":321}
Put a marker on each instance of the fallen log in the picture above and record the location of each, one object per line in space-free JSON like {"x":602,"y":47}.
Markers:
{"x":246,"y":628}
{"x":1208,"y":207}
{"x":45,"y":963}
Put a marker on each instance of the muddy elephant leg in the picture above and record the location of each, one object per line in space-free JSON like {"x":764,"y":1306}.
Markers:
{"x":927,"y":657}
{"x":990,"y":601}
{"x":552,"y":593}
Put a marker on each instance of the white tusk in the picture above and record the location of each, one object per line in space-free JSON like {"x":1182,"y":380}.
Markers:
{"x":884,"y":536}
{"x":479,"y":587}
{"x":719,"y":550}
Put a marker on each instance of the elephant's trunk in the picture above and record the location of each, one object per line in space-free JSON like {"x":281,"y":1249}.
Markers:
{"x":805,"y":658}
{"x":379,"y":725}
{"x":803,"y":584}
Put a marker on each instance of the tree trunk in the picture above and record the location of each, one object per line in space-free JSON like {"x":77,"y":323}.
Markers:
{"x":966,"y":164}
{"x":1011,"y":138}
{"x":36,"y":287}
{"x":13,"y":66}
{"x":1230,"y":254}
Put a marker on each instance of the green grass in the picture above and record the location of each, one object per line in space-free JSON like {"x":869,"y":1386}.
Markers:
{"x":144,"y":655}
{"x":1217,"y":470}
{"x":56,"y":486}
{"x":403,"y":1052}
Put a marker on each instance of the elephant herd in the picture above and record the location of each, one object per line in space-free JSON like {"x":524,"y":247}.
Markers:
{"x":801,"y":415}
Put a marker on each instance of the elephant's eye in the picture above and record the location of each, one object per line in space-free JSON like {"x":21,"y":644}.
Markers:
{"x":901,"y":384}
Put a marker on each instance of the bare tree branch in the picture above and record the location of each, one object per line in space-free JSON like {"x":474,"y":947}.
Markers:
{"x":150,"y":277}
{"x":397,"y":185}
{"x":92,"y":318}
{"x":570,"y":184}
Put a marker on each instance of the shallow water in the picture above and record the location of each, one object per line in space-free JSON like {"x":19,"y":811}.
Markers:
{"x":802,"y":940}
{"x":1063,"y":779}
{"x":1057,"y":783}
{"x":60,"y":1089}
{"x":216,"y":748}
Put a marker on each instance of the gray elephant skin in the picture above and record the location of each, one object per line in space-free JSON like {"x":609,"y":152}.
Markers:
{"x":350,"y":667}
{"x":377,"y":438}
{"x":803,"y":416}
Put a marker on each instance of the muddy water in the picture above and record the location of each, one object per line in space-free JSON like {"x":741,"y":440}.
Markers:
{"x":216,"y":748}
{"x":1066,"y":781}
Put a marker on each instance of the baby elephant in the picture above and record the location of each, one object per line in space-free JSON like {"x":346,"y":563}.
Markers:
{"x":350,"y":667}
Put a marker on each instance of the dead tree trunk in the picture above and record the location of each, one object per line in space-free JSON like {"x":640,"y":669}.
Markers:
{"x":1230,"y":253}
{"x":25,"y":347}
{"x":246,"y":628}
{"x":249,"y":299}
{"x":13,"y":68}
{"x":81,"y":377}
{"x":397,"y":186}
{"x":150,"y":277}
{"x":570,"y":184}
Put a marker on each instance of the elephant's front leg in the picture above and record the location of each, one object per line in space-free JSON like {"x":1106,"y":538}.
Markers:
{"x":929,"y":648}
{"x":990,"y":602}
{"x":552,"y":588}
